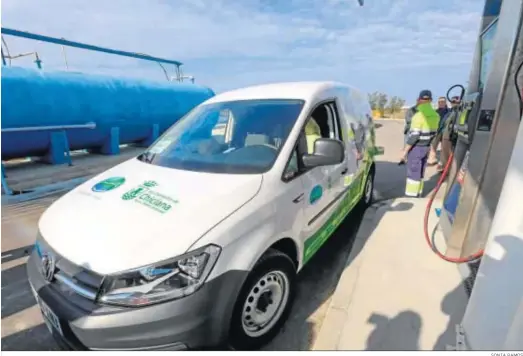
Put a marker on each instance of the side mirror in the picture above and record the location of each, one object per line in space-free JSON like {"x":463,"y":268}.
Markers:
{"x":327,"y":151}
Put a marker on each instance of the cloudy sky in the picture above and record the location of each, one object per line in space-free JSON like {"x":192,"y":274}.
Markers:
{"x":395,"y":46}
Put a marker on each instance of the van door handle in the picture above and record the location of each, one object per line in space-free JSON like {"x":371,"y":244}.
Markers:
{"x":298,"y":199}
{"x":344,"y":171}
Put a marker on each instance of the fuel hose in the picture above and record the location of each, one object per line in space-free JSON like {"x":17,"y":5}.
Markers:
{"x":428,"y":239}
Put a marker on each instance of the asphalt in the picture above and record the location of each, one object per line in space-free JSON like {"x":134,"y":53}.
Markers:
{"x":22,"y":326}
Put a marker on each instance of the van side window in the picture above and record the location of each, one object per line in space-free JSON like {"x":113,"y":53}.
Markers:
{"x":323,"y":123}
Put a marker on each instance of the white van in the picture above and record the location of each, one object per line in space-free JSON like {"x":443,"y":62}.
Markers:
{"x":197,"y":241}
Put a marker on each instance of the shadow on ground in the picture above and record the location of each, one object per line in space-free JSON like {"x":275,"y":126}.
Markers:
{"x":391,"y":178}
{"x":490,"y":280}
{"x":402,"y":332}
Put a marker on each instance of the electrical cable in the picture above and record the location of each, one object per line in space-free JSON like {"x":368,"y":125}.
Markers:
{"x":466,"y":259}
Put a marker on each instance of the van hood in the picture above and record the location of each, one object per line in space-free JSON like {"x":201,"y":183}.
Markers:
{"x":136,"y":214}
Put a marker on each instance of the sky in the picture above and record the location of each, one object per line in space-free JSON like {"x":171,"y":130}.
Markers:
{"x":394,"y":46}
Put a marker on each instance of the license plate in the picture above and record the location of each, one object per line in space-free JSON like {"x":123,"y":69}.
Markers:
{"x":50,"y":318}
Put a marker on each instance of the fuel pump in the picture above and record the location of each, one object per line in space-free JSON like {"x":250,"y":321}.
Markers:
{"x":484,"y":136}
{"x":461,"y":119}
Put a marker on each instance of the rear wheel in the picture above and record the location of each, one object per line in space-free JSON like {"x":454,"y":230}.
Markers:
{"x":368,"y":190}
{"x":264,"y":302}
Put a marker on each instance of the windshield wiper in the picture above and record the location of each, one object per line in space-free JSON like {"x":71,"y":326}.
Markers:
{"x":147,"y":157}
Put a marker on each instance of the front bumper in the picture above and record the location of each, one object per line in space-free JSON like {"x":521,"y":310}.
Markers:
{"x":197,"y":321}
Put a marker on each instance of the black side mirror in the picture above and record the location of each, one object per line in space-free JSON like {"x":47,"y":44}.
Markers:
{"x":327,"y":151}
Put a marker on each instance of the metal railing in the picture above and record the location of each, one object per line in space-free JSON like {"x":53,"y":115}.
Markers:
{"x":90,"y":125}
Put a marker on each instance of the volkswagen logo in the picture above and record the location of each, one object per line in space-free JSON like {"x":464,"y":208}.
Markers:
{"x":48,"y":267}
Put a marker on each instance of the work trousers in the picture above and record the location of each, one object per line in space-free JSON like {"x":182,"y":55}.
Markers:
{"x":416,"y":164}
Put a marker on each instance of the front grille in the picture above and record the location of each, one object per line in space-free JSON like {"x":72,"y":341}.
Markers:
{"x":82,"y":281}
{"x":70,"y":277}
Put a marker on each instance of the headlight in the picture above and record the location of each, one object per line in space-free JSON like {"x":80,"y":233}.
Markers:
{"x":162,"y":281}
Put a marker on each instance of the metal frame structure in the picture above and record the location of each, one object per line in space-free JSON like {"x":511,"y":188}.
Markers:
{"x":63,"y":42}
{"x":489,"y":148}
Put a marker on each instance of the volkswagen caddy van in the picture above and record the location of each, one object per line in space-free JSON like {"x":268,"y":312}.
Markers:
{"x":196,"y":242}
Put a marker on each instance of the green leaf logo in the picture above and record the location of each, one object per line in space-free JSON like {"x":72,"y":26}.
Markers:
{"x":150,"y":184}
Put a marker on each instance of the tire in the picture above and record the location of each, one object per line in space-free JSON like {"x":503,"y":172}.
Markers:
{"x":368,"y":190}
{"x":272,"y":270}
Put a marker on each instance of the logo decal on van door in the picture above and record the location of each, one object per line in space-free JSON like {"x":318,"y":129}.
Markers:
{"x":316,"y":194}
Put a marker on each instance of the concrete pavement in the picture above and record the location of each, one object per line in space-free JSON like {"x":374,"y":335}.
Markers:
{"x":394,"y":293}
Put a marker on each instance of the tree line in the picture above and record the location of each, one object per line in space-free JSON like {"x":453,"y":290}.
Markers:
{"x":383,"y":106}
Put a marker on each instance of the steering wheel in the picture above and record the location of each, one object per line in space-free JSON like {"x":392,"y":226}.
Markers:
{"x":255,"y":151}
{"x":268,"y":145}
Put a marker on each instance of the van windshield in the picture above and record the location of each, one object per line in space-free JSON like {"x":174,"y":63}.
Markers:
{"x":236,"y":137}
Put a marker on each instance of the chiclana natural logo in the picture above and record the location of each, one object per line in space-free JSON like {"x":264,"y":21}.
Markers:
{"x":145,"y":195}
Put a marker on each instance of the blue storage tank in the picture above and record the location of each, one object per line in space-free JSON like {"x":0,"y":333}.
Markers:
{"x":33,"y":98}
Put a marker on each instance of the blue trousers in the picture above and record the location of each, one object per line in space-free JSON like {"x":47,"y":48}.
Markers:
{"x":416,"y":164}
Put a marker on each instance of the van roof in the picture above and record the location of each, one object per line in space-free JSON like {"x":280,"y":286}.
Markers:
{"x":288,"y":90}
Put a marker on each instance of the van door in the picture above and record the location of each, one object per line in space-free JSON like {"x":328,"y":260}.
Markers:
{"x":356,"y":137}
{"x":322,"y":185}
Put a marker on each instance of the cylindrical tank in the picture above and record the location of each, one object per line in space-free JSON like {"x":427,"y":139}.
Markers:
{"x":34,"y":98}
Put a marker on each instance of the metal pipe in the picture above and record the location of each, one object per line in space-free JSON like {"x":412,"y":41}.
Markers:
{"x":38,"y":61}
{"x":90,"y":125}
{"x":4,"y":44}
{"x":65,"y":57}
{"x":33,"y":36}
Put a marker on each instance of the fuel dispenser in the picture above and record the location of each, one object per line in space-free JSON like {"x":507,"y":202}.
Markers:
{"x":464,"y":117}
{"x":481,"y":213}
{"x":484,"y":137}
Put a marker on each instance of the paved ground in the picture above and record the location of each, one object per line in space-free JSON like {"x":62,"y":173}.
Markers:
{"x":22,"y":327}
{"x":25,"y":176}
{"x":394,"y":293}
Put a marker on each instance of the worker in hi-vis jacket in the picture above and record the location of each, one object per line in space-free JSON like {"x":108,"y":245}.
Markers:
{"x":423,"y":129}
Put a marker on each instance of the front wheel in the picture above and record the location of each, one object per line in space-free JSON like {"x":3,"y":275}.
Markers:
{"x":264,"y":302}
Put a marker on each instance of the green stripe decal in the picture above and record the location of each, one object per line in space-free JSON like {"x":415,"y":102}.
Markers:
{"x":313,"y":244}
